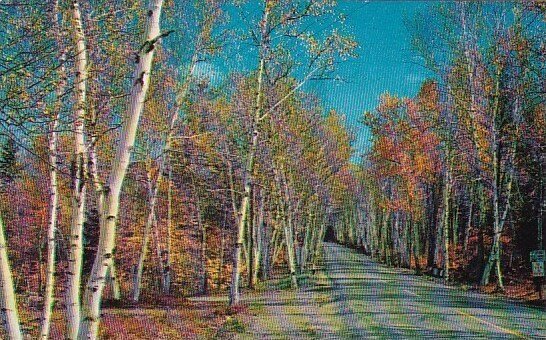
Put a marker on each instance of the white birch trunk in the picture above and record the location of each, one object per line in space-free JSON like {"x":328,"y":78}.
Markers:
{"x":53,"y":209}
{"x":445,"y":223}
{"x":288,"y":233}
{"x":234,"y":297}
{"x":257,"y":241}
{"x":8,"y":302}
{"x":97,"y":184}
{"x":54,"y":193}
{"x":495,"y":247}
{"x":152,"y":199}
{"x":154,"y":187}
{"x":141,"y":80}
{"x":79,"y":186}
{"x":167,"y":270}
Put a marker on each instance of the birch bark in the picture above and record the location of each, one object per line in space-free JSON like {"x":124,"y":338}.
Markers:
{"x":79,"y":185}
{"x":234,"y":296}
{"x":8,"y":301}
{"x":54,"y":193}
{"x":141,"y":79}
{"x":53,"y":209}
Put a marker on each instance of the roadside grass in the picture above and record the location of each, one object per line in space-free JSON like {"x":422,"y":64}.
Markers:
{"x":234,"y":324}
{"x":283,"y":283}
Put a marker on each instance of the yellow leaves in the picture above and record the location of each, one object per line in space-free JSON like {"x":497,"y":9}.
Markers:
{"x":336,"y":126}
{"x":388,"y":103}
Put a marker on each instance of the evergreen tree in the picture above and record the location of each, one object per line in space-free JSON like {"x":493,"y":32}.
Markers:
{"x":8,"y":161}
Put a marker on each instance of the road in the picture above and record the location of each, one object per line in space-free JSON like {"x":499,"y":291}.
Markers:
{"x":356,"y":298}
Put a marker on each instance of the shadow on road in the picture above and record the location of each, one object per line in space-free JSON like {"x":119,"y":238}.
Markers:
{"x":353,"y":297}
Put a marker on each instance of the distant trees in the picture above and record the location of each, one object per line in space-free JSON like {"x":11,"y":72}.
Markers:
{"x":444,"y":166}
{"x":282,"y":19}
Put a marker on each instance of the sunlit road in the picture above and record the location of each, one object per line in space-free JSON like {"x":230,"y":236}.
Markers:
{"x":354,"y":298}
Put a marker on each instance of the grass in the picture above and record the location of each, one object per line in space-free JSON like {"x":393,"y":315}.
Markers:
{"x":233,"y":324}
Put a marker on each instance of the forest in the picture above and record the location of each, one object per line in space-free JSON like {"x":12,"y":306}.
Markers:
{"x":131,"y":175}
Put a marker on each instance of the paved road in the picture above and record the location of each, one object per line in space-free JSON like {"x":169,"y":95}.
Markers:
{"x":356,"y":298}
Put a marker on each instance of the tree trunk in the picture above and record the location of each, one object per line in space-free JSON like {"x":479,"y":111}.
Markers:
{"x":266,"y":246}
{"x":494,"y":255}
{"x":257,"y":240}
{"x":141,"y":79}
{"x":8,"y":302}
{"x":152,"y":200}
{"x":203,"y":252}
{"x":114,"y":282}
{"x":79,"y":185}
{"x":499,"y":221}
{"x":234,"y":296}
{"x":222,"y":247}
{"x":167,"y":270}
{"x":97,"y":184}
{"x":469,"y":220}
{"x":289,"y":239}
{"x":54,"y":192}
{"x":445,"y":222}
{"x":52,"y":224}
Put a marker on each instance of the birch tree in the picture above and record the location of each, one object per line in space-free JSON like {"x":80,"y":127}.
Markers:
{"x":108,"y":217}
{"x":79,"y":182}
{"x":8,"y":301}
{"x":234,"y":296}
{"x":53,"y":185}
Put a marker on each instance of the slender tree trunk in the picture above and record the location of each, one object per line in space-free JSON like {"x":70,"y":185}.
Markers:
{"x":438,"y":245}
{"x":153,"y":192}
{"x":8,"y":301}
{"x":289,"y":239}
{"x":384,"y":238}
{"x":276,"y":238}
{"x":93,"y":172}
{"x":469,"y":220}
{"x":79,"y":183}
{"x":139,"y":268}
{"x":416,"y":247}
{"x":541,"y":202}
{"x":494,"y":260}
{"x":203,"y":252}
{"x":257,"y":240}
{"x":222,"y":247}
{"x":234,"y":296}
{"x":181,"y":97}
{"x":445,"y":222}
{"x":266,"y":246}
{"x":158,"y":253}
{"x":307,"y":241}
{"x":494,"y":255}
{"x":152,"y":199}
{"x":52,"y":224}
{"x":455,"y":223}
{"x":141,"y":79}
{"x":249,"y":245}
{"x":54,"y":192}
{"x":167,"y":270}
{"x":275,"y":233}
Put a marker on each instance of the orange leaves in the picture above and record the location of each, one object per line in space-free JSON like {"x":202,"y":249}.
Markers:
{"x":405,"y":148}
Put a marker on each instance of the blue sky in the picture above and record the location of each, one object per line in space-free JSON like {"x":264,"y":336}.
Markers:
{"x":385,"y":63}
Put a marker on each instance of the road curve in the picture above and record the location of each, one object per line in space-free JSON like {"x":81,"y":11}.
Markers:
{"x":356,"y":298}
